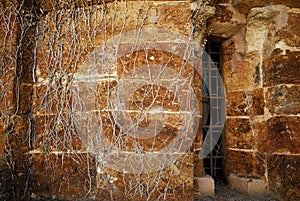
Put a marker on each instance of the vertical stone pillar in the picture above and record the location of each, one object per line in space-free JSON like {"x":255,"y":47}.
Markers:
{"x":279,"y":130}
{"x":261,"y":76}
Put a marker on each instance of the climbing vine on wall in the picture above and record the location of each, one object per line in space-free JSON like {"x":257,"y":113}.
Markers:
{"x":98,"y":99}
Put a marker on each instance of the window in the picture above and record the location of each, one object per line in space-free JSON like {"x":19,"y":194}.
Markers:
{"x":213,"y":112}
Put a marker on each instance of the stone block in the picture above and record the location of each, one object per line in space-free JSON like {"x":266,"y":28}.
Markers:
{"x":245,"y":5}
{"x":52,"y":99}
{"x":52,"y":5}
{"x":236,"y":76}
{"x":228,"y":48}
{"x":238,"y":133}
{"x":159,"y":60}
{"x":168,"y":133}
{"x":74,"y":48}
{"x":244,"y":163}
{"x":198,"y":165}
{"x":283,"y":99}
{"x":168,"y":17}
{"x":247,"y":185}
{"x":20,"y":138}
{"x":204,"y":186}
{"x":173,"y":182}
{"x":279,"y":134}
{"x":53,"y":134}
{"x":284,"y":176}
{"x":290,"y":33}
{"x":62,"y":176}
{"x":281,"y":68}
{"x":227,"y":21}
{"x":241,"y":103}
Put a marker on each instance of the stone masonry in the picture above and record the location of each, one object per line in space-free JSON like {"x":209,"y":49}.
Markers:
{"x":65,"y":64}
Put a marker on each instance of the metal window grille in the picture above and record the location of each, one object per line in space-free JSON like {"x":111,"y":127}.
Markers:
{"x":212,"y":100}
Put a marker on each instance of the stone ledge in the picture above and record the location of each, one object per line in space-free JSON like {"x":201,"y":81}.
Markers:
{"x":248,"y":186}
{"x":204,"y":185}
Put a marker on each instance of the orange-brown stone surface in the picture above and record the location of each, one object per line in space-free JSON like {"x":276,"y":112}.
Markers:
{"x":282,"y":68}
{"x":284,"y":178}
{"x":241,"y":103}
{"x":279,"y":134}
{"x":238,"y":133}
{"x":245,"y":163}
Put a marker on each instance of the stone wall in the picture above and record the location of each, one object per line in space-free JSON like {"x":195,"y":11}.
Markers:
{"x":88,"y":59}
{"x":61,"y":67}
{"x":261,"y":76}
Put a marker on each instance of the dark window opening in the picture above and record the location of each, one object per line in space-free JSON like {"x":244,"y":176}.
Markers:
{"x":212,"y":104}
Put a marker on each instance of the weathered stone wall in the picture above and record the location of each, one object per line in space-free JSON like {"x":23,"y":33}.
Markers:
{"x":81,"y":65}
{"x":48,"y":151}
{"x":15,"y":90}
{"x":9,"y":40}
{"x":261,"y":61}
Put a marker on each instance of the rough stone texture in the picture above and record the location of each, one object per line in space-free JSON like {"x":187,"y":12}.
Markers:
{"x":261,"y":75}
{"x":204,"y":185}
{"x":284,"y":176}
{"x":198,"y":166}
{"x":247,"y":185}
{"x":51,"y":5}
{"x":263,"y":96}
{"x":176,"y":181}
{"x":65,"y":176}
{"x":140,"y":15}
{"x":245,"y":5}
{"x":244,"y":163}
{"x":59,"y":130}
{"x":279,"y":134}
{"x":238,"y":133}
{"x":50,"y":135}
{"x":241,"y":103}
{"x":283,"y":99}
{"x":2,"y":135}
{"x":282,"y":63}
{"x":226,"y":22}
{"x":290,"y":34}
{"x":9,"y":30}
{"x":236,"y":75}
{"x":18,"y":143}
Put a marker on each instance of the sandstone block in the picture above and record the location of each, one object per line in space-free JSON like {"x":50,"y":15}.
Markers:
{"x":179,"y":177}
{"x":198,"y":165}
{"x":281,"y":68}
{"x":64,"y":176}
{"x":204,"y":185}
{"x":283,"y":99}
{"x":238,"y":76}
{"x":238,"y":133}
{"x":279,"y":134}
{"x":284,"y":176}
{"x":245,"y":103}
{"x":247,"y":185}
{"x":244,"y":163}
{"x":52,"y":134}
{"x":227,"y":21}
{"x":290,"y":34}
{"x":228,"y":48}
{"x":7,"y":99}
